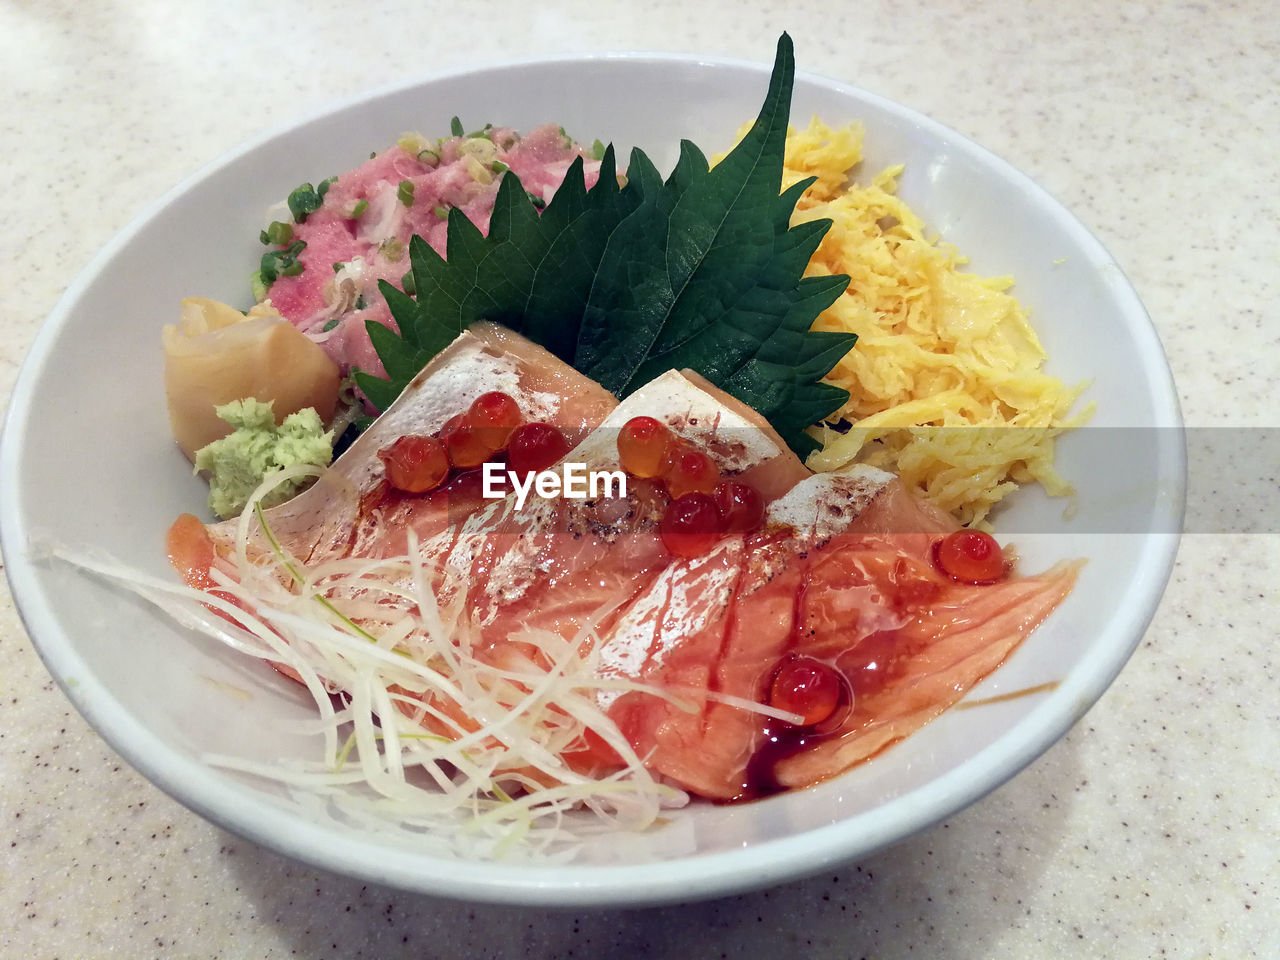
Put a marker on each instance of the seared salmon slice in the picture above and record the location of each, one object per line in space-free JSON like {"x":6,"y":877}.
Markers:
{"x":829,"y":579}
{"x":686,"y":653}
{"x":350,"y":510}
{"x":559,"y":564}
{"x":903,"y":679}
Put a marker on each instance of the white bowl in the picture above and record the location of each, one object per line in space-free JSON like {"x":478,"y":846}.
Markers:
{"x":163,"y":698}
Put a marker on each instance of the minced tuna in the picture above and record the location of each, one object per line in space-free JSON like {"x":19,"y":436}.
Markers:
{"x":360,"y":233}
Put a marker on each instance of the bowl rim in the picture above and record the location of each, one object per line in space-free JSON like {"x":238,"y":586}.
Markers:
{"x":211,"y":795}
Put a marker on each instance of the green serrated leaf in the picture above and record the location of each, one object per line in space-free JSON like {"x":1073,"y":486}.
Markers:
{"x":381,"y":393}
{"x":642,"y":174}
{"x":722,"y":289}
{"x":700,"y":270}
{"x":714,"y":234}
{"x":401,"y":365}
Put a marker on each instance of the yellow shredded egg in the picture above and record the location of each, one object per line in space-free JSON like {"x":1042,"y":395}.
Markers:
{"x":946,"y":382}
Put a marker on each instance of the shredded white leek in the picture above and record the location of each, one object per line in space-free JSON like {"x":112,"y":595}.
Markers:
{"x":431,"y":736}
{"x":426,"y":736}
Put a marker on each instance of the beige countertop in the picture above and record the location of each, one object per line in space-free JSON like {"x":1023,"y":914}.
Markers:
{"x":1151,"y":830}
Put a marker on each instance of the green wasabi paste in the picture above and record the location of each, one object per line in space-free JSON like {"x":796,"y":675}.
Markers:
{"x":256,"y":447}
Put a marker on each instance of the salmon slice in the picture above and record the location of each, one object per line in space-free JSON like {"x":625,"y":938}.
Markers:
{"x":682,"y":636}
{"x":842,"y":573}
{"x":564,"y":566}
{"x":350,"y":510}
{"x":772,"y":477}
{"x":557,"y":563}
{"x":924,"y":668}
{"x":552,"y":565}
{"x":718,"y":625}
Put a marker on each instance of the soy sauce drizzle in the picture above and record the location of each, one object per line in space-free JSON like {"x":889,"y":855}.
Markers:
{"x":1011,"y":695}
{"x":864,"y":670}
{"x":781,"y":739}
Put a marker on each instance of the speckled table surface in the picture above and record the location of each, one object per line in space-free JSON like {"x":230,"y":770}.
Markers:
{"x":1152,"y":829}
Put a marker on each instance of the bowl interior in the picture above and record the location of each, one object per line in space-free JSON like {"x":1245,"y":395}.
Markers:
{"x":87,"y":461}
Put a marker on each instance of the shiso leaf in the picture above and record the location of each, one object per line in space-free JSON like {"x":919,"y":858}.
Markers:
{"x":702,"y":270}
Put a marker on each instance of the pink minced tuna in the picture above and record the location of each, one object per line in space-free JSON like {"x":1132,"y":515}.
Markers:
{"x":361,"y":232}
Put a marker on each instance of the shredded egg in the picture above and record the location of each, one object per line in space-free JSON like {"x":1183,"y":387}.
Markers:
{"x":946,"y":382}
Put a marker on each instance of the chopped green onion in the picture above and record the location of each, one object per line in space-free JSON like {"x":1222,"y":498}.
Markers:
{"x":405,"y":192}
{"x":258,"y":285}
{"x":277,"y":233}
{"x":269,"y":268}
{"x":597,"y":150}
{"x":441,"y":211}
{"x":392,"y":249}
{"x":281,"y":263}
{"x":428,"y":156}
{"x":456,"y":127}
{"x":324,"y":187}
{"x":302,"y":201}
{"x":499,"y":167}
{"x":338,"y":266}
{"x":360,"y":207}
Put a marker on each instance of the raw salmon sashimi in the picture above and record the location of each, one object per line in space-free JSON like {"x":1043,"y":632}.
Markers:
{"x":666,"y":666}
{"x":517,"y":585}
{"x":549,"y":562}
{"x":349,"y":511}
{"x":830,"y":578}
{"x":560,"y":566}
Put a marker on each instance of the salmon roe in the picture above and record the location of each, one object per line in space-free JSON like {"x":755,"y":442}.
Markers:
{"x":419,"y":464}
{"x":415,"y":464}
{"x":466,"y":445}
{"x":534,"y":447}
{"x":970,"y":556}
{"x":703,"y":507}
{"x":493,"y":416}
{"x":807,"y":687}
{"x":642,"y":446}
{"x":741,"y":506}
{"x":688,"y":470}
{"x":691,"y":525}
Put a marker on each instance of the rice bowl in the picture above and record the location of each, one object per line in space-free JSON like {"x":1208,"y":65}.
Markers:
{"x":134,"y":675}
